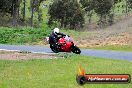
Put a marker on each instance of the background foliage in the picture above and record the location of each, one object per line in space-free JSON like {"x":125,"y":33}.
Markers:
{"x":62,"y":13}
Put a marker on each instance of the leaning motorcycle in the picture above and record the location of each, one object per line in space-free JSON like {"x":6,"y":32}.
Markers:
{"x":65,"y":44}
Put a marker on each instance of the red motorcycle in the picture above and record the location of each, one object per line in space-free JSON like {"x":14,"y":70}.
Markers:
{"x":66,"y":44}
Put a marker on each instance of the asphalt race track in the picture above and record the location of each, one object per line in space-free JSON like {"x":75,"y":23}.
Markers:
{"x":87,"y":52}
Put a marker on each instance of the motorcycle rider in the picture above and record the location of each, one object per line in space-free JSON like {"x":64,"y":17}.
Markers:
{"x":56,"y":46}
{"x":54,"y":36}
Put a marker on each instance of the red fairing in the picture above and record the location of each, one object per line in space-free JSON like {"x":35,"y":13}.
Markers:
{"x":66,"y":45}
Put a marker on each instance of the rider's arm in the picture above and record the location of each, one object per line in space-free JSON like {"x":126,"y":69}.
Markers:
{"x":61,"y":34}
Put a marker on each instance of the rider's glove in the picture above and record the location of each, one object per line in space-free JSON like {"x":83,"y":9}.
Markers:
{"x":58,"y":44}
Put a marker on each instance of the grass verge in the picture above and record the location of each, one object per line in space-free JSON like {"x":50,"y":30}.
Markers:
{"x":59,"y":73}
{"x":33,"y":36}
{"x":24,"y":35}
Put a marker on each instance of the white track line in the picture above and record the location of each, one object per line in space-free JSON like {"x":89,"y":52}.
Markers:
{"x":10,"y":50}
{"x":29,"y":51}
{"x":43,"y":53}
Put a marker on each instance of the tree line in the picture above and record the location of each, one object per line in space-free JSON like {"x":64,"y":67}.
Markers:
{"x":12,"y":8}
{"x":66,"y":13}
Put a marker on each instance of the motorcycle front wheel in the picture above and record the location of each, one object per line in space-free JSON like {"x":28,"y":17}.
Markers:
{"x":76,"y":50}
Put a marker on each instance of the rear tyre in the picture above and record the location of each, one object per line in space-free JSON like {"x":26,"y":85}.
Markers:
{"x":54,"y":48}
{"x":76,"y":50}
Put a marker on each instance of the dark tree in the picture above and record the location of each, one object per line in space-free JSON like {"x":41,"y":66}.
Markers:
{"x":102,"y":7}
{"x":67,"y":12}
{"x":11,"y":7}
{"x":32,"y":11}
{"x":129,"y":4}
{"x":15,"y":13}
{"x":34,"y":8}
{"x":88,"y":6}
{"x":24,"y":10}
{"x":112,"y":14}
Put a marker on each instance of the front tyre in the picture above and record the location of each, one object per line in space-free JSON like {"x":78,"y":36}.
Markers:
{"x":54,"y":48}
{"x":76,"y":50}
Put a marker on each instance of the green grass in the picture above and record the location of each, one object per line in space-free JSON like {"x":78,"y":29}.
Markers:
{"x":23,"y":35}
{"x":115,"y":47}
{"x":28,"y":35}
{"x":59,"y":73}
